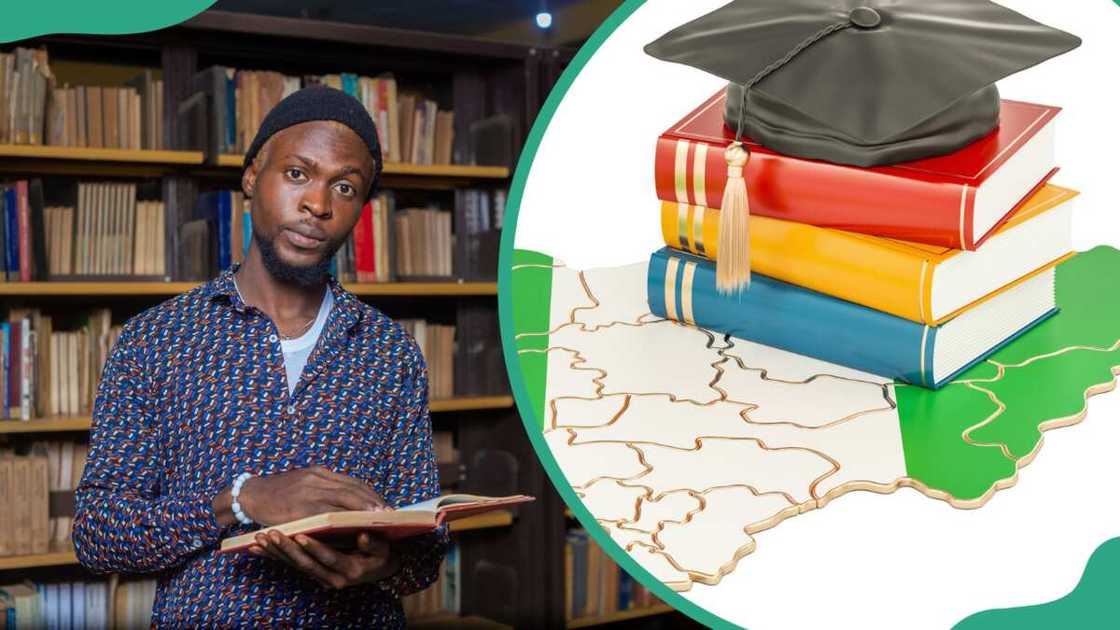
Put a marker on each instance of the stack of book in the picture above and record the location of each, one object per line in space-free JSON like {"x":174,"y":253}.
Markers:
{"x":25,"y":494}
{"x":440,"y":599}
{"x":44,"y":372}
{"x":106,"y":230}
{"x":75,"y":604}
{"x":411,"y":128}
{"x":423,"y":243}
{"x":437,"y":344}
{"x":34,"y":110}
{"x":25,"y":82}
{"x":595,"y":585}
{"x":913,"y":272}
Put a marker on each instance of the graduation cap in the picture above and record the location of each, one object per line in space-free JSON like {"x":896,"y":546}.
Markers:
{"x":859,"y":82}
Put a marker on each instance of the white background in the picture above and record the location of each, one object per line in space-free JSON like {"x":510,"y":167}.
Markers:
{"x":864,"y":561}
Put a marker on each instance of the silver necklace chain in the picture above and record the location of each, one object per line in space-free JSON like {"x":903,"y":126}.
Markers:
{"x":302,"y":330}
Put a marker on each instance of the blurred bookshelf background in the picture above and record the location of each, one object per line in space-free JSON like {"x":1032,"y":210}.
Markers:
{"x":119,"y":188}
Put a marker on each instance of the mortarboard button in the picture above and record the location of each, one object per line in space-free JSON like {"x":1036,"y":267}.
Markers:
{"x":865,"y":17}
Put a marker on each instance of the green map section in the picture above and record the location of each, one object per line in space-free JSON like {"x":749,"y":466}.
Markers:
{"x":532,"y":297}
{"x":1092,"y":604}
{"x":115,"y":17}
{"x":1035,"y":388}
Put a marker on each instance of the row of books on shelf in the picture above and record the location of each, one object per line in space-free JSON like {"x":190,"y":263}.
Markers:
{"x":96,"y":605}
{"x":46,"y":372}
{"x":36,"y":110}
{"x":36,"y":488}
{"x":117,"y":230}
{"x":595,"y":585}
{"x":443,"y":597}
{"x":122,"y":604}
{"x":437,"y":344}
{"x":411,"y":128}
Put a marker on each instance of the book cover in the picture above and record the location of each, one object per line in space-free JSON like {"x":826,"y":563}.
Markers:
{"x":682,"y":287}
{"x":940,"y":192}
{"x":888,"y":275}
{"x":404,"y":522}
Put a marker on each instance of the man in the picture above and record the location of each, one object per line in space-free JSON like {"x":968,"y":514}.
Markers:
{"x":276,"y":378}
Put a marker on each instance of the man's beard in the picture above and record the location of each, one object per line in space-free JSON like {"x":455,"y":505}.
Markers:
{"x":307,"y":277}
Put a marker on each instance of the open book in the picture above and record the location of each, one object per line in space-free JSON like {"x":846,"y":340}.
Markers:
{"x":403,"y":522}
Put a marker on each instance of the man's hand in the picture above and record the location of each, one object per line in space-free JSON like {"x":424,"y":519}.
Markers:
{"x":372,"y":561}
{"x":295,"y":494}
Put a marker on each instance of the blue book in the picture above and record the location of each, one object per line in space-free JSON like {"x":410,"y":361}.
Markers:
{"x":11,"y":209}
{"x":682,"y":287}
{"x":246,"y":232}
{"x":350,"y":84}
{"x":225,"y":227}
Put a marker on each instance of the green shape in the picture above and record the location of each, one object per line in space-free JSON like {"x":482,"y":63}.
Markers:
{"x":115,"y":17}
{"x":532,"y":284}
{"x":932,"y":423}
{"x":1044,"y":390}
{"x":1091,"y":605}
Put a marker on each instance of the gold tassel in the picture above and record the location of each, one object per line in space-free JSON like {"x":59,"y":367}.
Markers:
{"x":733,"y":260}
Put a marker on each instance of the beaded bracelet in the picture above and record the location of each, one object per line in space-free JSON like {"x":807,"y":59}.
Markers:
{"x":237,"y":512}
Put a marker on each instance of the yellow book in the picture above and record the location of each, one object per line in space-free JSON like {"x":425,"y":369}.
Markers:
{"x":922,"y":283}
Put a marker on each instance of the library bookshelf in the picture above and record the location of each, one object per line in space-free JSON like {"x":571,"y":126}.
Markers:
{"x":512,"y":562}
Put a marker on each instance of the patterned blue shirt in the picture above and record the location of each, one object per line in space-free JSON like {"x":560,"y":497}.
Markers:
{"x":194,"y":392}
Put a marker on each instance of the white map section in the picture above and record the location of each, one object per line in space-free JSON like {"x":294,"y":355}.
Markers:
{"x":727,"y":514}
{"x":609,"y":500}
{"x":678,"y":442}
{"x":626,"y":301}
{"x":646,"y":359}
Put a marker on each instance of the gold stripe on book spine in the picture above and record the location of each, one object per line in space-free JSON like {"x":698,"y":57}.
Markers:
{"x":671,"y":269}
{"x":699,"y":167}
{"x":681,"y":171}
{"x":684,"y":235}
{"x":686,"y":292}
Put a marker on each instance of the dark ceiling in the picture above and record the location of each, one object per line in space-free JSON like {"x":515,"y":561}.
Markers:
{"x":504,"y":19}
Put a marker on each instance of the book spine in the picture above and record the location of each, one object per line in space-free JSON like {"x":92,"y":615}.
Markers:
{"x":223,"y":220}
{"x":23,"y":219}
{"x":682,"y":287}
{"x":937,"y":212}
{"x":27,"y":365}
{"x":5,"y":369}
{"x":363,"y":244}
{"x":852,"y":267}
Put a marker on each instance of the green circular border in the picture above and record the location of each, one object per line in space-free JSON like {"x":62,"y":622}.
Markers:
{"x":509,"y":349}
{"x":991,"y":619}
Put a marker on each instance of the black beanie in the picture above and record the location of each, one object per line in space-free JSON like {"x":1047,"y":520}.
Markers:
{"x":320,"y":102}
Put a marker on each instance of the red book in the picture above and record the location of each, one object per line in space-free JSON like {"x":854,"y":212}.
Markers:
{"x":954,"y":200}
{"x":23,"y":216}
{"x":363,"y":245}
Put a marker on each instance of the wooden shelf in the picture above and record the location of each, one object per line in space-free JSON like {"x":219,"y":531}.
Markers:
{"x":51,"y":559}
{"x":99,"y":289}
{"x":624,"y":615}
{"x":90,"y":154}
{"x":227,"y":160}
{"x":82,"y":423}
{"x":436,"y":622}
{"x":46,"y":425}
{"x":471,"y":404}
{"x":486,"y":520}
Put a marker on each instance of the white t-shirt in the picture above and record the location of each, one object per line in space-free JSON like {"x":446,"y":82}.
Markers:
{"x":296,"y":351}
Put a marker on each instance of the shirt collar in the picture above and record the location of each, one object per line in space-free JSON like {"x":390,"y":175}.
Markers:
{"x":346,"y":304}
